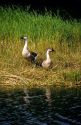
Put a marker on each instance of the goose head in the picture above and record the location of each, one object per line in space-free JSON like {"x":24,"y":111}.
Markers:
{"x":24,"y":38}
{"x":50,"y":50}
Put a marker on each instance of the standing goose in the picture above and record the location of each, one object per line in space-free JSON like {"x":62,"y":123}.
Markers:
{"x":26,"y":53}
{"x":47,"y":62}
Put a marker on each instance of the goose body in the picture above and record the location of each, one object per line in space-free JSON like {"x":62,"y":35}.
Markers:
{"x":47,"y":62}
{"x":26,"y":53}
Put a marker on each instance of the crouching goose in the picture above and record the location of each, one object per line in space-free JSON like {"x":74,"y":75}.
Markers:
{"x":47,"y":62}
{"x":26,"y":53}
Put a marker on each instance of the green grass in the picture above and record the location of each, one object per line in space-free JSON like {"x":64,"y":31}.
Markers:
{"x":43,"y":31}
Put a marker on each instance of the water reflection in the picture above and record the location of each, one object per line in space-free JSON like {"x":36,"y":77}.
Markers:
{"x":41,"y":106}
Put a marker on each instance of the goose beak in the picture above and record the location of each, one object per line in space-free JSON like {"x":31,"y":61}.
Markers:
{"x":21,"y":38}
{"x":53,"y":50}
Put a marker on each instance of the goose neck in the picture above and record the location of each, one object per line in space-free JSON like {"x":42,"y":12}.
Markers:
{"x":48,"y":56}
{"x":26,"y":44}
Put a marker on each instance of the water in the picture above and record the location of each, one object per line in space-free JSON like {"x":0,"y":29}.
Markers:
{"x":41,"y":106}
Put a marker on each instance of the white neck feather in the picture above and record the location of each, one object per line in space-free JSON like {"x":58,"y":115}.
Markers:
{"x":25,"y":51}
{"x":47,"y":56}
{"x":26,"y":44}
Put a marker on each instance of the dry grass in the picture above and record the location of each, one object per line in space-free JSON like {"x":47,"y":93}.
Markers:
{"x":16,"y":72}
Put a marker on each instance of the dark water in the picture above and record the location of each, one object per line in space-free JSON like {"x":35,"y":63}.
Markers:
{"x":41,"y":106}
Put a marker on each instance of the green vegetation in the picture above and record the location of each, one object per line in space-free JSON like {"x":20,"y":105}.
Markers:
{"x":43,"y":31}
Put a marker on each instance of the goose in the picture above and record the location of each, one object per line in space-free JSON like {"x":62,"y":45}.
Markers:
{"x":26,"y":53}
{"x":47,"y":62}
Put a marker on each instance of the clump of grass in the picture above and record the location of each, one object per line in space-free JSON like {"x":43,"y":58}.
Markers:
{"x":72,"y":76}
{"x":43,"y":31}
{"x":16,"y":22}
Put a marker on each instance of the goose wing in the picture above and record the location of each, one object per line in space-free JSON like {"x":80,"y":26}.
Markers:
{"x":33,"y":54}
{"x":32,"y":57}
